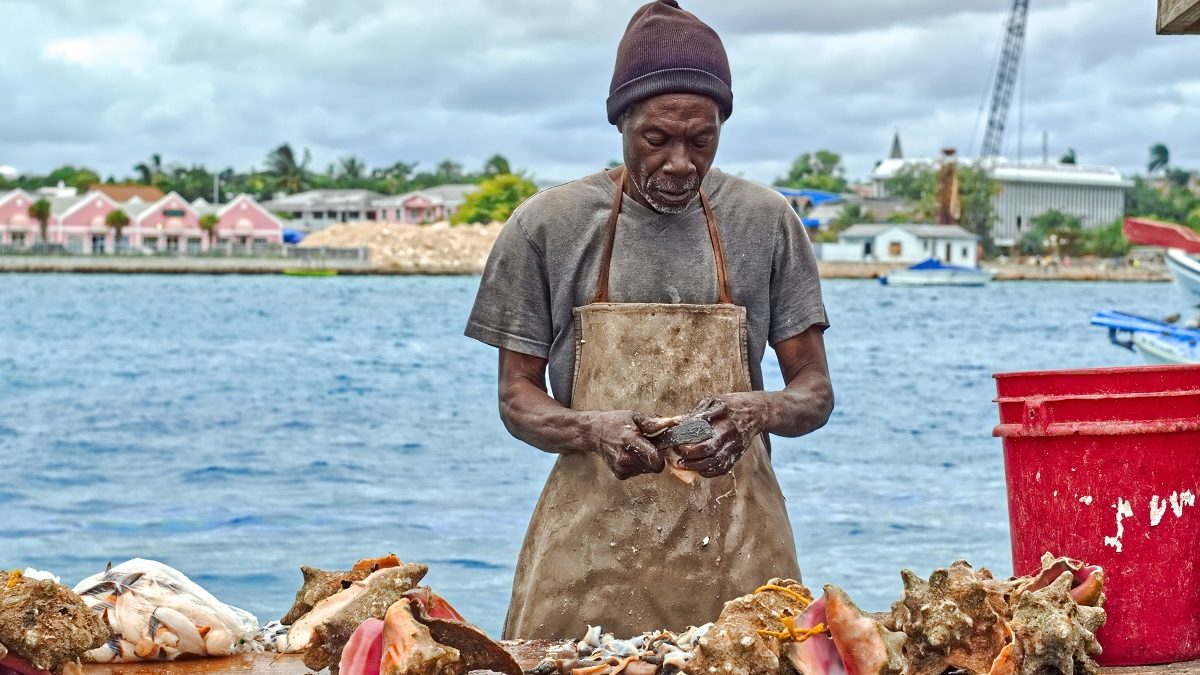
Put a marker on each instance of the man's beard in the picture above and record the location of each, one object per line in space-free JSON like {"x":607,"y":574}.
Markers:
{"x":690,"y":184}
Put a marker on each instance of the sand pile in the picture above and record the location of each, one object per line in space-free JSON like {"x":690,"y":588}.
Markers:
{"x":439,"y":248}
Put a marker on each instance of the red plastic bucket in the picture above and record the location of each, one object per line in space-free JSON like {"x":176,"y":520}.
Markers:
{"x":1103,"y":465}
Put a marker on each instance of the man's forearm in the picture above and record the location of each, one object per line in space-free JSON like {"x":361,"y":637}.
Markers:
{"x":530,"y":414}
{"x":802,"y":407}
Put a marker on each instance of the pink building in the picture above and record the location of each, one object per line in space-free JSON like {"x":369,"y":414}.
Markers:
{"x":244,"y":221}
{"x":16,"y":227}
{"x":170,"y":224}
{"x":81,"y":226}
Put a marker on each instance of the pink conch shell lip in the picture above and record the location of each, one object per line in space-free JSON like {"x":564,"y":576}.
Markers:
{"x":818,"y":655}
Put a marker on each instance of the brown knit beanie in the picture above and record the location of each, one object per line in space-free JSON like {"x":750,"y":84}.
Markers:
{"x":667,"y":50}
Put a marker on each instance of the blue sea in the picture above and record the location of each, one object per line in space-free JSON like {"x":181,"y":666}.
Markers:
{"x":238,"y":427}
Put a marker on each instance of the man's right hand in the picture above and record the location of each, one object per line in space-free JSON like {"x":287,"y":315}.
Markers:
{"x":617,"y":437}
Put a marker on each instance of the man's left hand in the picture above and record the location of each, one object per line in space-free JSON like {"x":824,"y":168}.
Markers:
{"x":735,"y":423}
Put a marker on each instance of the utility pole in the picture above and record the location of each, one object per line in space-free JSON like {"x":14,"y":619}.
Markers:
{"x":216,"y":194}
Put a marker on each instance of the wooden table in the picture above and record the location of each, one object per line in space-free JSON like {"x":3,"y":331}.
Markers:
{"x":291,"y":664}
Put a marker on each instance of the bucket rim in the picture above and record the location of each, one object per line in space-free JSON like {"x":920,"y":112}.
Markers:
{"x":1103,"y":370}
{"x":1097,"y":428}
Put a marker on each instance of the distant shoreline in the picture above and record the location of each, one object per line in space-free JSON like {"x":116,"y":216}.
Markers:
{"x":99,"y":264}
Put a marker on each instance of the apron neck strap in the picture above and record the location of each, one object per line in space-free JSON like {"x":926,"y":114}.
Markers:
{"x":723,"y":296}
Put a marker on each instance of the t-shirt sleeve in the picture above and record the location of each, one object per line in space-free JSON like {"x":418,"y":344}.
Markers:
{"x":512,"y":307}
{"x":796,"y":303}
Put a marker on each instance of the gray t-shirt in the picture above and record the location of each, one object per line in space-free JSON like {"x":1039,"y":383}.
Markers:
{"x":546,"y":262}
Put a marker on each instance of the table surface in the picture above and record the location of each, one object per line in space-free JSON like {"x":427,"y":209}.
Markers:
{"x":291,"y":664}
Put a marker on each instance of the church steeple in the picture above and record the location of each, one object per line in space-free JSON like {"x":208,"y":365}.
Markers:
{"x":897,"y":152}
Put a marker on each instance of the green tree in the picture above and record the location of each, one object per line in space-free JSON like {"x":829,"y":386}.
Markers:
{"x":976,"y":192}
{"x":1107,"y":242}
{"x":496,"y":165}
{"x":208,"y":223}
{"x":289,"y":172}
{"x":1178,"y":177}
{"x":1160,"y":158}
{"x":1193,"y":219}
{"x":1068,"y":157}
{"x":40,"y":211}
{"x":495,"y":200}
{"x":449,"y":171}
{"x":1053,"y":232}
{"x":80,"y":178}
{"x":350,"y":171}
{"x":118,"y":221}
{"x":394,"y":179}
{"x":852,"y":213}
{"x":820,"y":170}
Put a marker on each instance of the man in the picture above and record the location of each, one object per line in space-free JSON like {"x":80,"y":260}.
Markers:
{"x":651,"y":290}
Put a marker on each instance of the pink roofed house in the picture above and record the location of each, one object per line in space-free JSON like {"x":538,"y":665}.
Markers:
{"x":244,"y":221}
{"x":82,"y":227}
{"x":170,"y":224}
{"x":16,"y":227}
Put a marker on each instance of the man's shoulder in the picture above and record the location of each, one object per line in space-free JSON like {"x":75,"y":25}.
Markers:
{"x":745,"y":193}
{"x":557,"y":203}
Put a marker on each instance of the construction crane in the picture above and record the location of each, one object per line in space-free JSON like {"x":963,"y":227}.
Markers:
{"x":1007,"y":70}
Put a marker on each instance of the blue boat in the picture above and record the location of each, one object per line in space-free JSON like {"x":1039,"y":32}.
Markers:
{"x":1157,"y":341}
{"x":934,"y":272}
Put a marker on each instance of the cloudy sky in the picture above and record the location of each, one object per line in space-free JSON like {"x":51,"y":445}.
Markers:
{"x":107,"y":83}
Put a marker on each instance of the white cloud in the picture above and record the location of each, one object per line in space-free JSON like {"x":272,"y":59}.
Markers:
{"x":221,"y":82}
{"x":125,"y":49}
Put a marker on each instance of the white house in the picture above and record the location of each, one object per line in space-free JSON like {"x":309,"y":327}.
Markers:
{"x":902,"y":243}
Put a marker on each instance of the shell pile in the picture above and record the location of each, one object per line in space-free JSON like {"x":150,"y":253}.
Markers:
{"x":154,"y":612}
{"x":961,"y":619}
{"x":966,"y":620}
{"x":599,"y":653}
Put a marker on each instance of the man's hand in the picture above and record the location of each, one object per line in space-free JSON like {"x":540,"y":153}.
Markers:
{"x":617,"y":438}
{"x":735,"y":423}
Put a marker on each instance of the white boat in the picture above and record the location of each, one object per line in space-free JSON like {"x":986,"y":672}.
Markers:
{"x":1185,"y":269}
{"x":1158,"y":342}
{"x":1159,"y":349}
{"x":933,"y":272}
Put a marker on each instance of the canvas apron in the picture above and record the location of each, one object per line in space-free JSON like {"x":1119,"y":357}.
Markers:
{"x":650,"y":552}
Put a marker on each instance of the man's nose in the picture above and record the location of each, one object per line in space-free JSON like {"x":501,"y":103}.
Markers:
{"x":678,"y":162}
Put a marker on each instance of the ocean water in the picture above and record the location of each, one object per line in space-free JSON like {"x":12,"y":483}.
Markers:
{"x":238,"y":427}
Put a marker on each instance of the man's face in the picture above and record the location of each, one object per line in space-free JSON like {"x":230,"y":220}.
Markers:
{"x":670,"y":141}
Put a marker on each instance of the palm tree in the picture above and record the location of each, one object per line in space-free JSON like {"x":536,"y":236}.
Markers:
{"x":351,"y":169}
{"x":1160,"y":158}
{"x":117,"y":220}
{"x":208,"y":223}
{"x":40,"y":211}
{"x":1069,"y":157}
{"x":292,"y":174}
{"x":151,"y":172}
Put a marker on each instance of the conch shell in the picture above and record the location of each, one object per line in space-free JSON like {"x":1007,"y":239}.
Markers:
{"x":1052,"y":633}
{"x":854,"y":644}
{"x":964,"y":619}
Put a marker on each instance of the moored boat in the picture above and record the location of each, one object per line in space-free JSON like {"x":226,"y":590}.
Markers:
{"x":933,"y":272}
{"x":1185,"y":269}
{"x":1158,"y":342}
